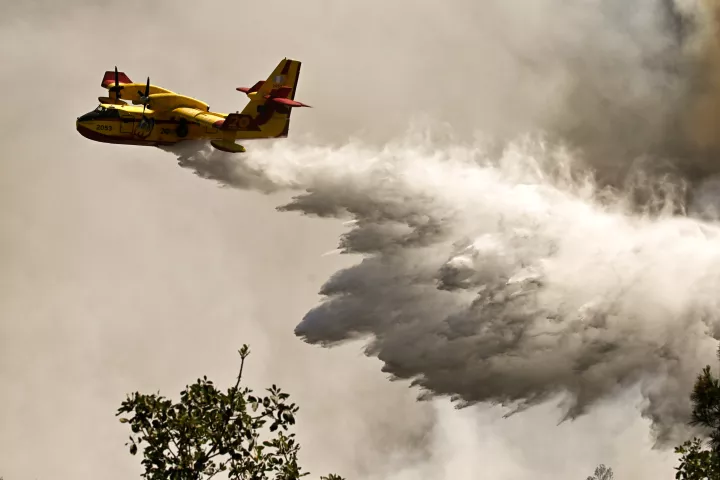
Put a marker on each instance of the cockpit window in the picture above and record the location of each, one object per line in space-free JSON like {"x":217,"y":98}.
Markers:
{"x":101,"y":113}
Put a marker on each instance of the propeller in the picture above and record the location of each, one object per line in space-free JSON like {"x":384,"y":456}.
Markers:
{"x":116,"y":88}
{"x":144,"y":99}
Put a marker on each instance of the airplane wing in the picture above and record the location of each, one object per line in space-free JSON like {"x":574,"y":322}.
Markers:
{"x":230,"y":122}
{"x":120,"y":87}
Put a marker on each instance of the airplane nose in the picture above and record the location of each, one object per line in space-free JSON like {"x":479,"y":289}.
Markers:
{"x":82,"y":129}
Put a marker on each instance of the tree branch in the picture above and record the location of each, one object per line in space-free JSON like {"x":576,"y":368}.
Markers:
{"x":147,"y":435}
{"x":243,"y":355}
{"x":239,"y":377}
{"x":172,"y":439}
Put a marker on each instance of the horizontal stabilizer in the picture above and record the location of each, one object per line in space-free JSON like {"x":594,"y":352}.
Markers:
{"x":289,"y":103}
{"x":227,"y":146}
{"x":282,"y":92}
{"x":254,"y":88}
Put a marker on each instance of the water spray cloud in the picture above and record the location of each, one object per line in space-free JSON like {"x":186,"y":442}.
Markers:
{"x":499,"y":279}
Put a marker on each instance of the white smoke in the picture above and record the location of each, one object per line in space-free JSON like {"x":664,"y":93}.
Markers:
{"x":500,"y":279}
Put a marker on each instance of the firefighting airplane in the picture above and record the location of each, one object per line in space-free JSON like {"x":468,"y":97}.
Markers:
{"x":159,"y":117}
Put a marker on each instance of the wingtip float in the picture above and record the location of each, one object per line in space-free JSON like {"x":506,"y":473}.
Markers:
{"x":156,"y":116}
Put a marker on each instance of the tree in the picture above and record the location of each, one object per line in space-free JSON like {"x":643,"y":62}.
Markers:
{"x":697,"y":460}
{"x":209,"y":432}
{"x":602,"y":473}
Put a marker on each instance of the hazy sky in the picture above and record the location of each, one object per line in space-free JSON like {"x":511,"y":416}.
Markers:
{"x":123,"y":272}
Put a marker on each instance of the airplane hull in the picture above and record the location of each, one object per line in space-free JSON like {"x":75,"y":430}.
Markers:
{"x":96,"y":132}
{"x":120,"y":140}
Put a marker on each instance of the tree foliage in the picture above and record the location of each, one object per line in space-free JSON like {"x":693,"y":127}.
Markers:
{"x":237,"y":433}
{"x":696,"y":462}
{"x":699,"y":461}
{"x":602,"y":473}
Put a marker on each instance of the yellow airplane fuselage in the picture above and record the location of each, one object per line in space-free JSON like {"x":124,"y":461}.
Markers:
{"x":145,"y":114}
{"x":112,"y":123}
